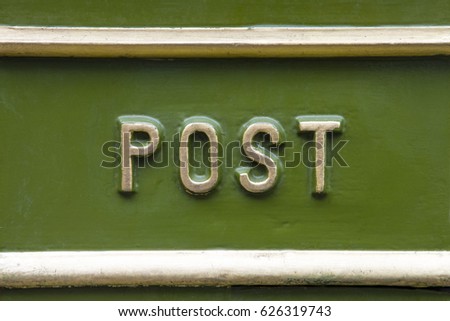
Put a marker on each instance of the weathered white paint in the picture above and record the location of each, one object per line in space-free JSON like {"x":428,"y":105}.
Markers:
{"x":225,"y":42}
{"x":224,"y":267}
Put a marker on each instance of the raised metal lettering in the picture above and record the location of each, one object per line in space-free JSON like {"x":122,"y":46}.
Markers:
{"x":128,"y":126}
{"x":320,"y":125}
{"x":208,"y":127}
{"x":253,"y":127}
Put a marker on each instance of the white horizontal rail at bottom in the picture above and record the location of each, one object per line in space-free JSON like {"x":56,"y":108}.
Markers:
{"x":223,"y":268}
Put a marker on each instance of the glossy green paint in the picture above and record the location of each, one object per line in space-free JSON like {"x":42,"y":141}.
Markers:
{"x":170,"y":13}
{"x":232,"y":293}
{"x":55,"y":114}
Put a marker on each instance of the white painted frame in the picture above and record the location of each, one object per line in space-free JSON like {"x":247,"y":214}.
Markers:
{"x":224,"y":268}
{"x":225,"y":42}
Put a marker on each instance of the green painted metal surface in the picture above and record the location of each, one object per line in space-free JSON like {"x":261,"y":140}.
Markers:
{"x":223,"y":12}
{"x":55,"y":115}
{"x":232,"y":293}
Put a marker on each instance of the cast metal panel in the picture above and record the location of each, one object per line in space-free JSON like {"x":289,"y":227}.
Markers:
{"x":373,"y":206}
